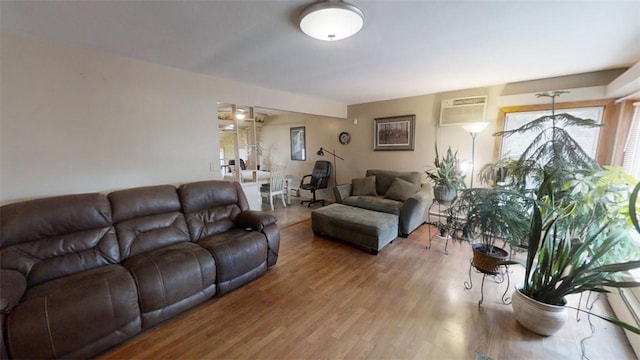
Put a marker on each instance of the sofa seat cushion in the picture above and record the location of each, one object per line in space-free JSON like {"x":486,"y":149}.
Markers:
{"x":240,"y":255}
{"x":172,"y":279}
{"x":75,"y":316}
{"x":375,"y":203}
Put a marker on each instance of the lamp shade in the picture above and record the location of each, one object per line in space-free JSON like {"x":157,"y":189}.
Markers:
{"x":331,"y":20}
{"x":476,"y":127}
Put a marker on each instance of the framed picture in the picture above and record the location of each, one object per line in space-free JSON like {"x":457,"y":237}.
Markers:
{"x":298,"y":150}
{"x":394,"y":133}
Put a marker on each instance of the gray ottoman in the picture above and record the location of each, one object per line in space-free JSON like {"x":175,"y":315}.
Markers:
{"x":370,"y":229}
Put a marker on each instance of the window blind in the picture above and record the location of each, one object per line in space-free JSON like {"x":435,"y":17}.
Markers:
{"x":631,"y":158}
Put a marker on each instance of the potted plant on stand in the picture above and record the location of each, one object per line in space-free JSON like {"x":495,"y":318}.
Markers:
{"x":443,"y":230}
{"x":446,"y":176}
{"x":488,"y":218}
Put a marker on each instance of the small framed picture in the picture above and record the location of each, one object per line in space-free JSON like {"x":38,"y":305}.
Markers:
{"x":298,"y":150}
{"x":394,"y":133}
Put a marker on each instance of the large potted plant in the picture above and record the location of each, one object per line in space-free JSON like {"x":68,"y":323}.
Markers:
{"x":446,"y":176}
{"x":578,"y":227}
{"x":558,"y":265}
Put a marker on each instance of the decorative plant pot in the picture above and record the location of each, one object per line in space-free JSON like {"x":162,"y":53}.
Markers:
{"x":444,"y":197}
{"x":486,"y":258}
{"x":541,"y":318}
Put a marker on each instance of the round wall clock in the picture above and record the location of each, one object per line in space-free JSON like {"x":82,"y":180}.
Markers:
{"x":344,"y":138}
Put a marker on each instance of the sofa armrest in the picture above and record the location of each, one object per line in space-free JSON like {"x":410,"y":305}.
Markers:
{"x":413,"y":212}
{"x":266,"y":224}
{"x":256,"y":220}
{"x":342,"y":192}
{"x":12,"y":287}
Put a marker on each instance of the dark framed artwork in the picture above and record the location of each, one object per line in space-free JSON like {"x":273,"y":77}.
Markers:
{"x":298,"y":149}
{"x":394,"y":133}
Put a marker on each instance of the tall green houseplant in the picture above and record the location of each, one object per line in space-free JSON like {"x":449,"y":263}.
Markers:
{"x":578,"y":225}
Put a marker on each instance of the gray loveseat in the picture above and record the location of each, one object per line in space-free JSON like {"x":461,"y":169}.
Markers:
{"x":393,"y":192}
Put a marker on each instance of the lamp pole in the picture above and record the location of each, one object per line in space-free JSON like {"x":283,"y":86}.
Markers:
{"x":473,"y":156}
{"x":473,"y":129}
{"x":321,"y":153}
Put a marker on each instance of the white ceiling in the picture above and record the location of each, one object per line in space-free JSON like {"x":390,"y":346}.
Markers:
{"x":406,"y":48}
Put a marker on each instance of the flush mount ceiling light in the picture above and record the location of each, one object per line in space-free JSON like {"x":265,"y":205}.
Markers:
{"x":331,"y":20}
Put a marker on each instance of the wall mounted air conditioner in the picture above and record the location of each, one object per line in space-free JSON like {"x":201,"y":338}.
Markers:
{"x":456,"y":112}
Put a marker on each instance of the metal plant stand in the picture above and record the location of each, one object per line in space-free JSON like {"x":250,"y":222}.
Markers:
{"x":499,"y":277}
{"x":437,"y":234}
{"x":435,"y":214}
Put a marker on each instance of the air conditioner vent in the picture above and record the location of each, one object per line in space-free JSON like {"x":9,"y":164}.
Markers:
{"x":456,"y":112}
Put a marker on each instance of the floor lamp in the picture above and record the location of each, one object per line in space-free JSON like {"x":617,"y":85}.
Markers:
{"x":473,"y":129}
{"x":321,"y":153}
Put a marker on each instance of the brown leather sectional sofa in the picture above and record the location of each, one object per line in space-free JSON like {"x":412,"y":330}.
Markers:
{"x":82,"y":273}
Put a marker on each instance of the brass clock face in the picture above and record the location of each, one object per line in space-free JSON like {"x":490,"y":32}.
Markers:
{"x":344,"y":138}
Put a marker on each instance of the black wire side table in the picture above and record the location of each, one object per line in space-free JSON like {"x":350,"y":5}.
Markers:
{"x":498,"y":277}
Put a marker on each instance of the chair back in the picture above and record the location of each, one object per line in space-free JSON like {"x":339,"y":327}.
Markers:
{"x":321,"y":174}
{"x":276,"y":179}
{"x":243,"y":166}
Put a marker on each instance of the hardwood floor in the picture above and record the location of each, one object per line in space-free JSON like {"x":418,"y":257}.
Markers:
{"x":325,"y":299}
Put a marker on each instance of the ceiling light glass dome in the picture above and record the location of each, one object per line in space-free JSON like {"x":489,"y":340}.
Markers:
{"x":331,"y":20}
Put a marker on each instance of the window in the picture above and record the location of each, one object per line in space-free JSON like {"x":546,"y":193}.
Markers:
{"x":595,"y":141}
{"x":514,"y":145}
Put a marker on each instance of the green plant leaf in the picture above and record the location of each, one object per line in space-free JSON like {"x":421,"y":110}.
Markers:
{"x":614,"y":321}
{"x":633,"y":206}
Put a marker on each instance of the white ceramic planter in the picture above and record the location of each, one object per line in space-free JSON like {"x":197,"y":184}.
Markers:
{"x":541,"y":318}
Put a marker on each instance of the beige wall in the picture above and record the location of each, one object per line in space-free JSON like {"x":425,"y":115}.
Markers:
{"x":359,"y":155}
{"x":427,"y":111}
{"x":77,"y":121}
{"x":320,"y":131}
{"x":74,"y":120}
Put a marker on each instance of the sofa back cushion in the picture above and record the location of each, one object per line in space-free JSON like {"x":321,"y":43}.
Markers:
{"x":211,"y":207}
{"x":384,"y":178}
{"x":48,"y":238}
{"x":364,"y":186}
{"x":401,"y":190}
{"x":147,"y":218}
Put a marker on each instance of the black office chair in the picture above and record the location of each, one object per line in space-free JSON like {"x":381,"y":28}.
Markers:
{"x":319,"y":179}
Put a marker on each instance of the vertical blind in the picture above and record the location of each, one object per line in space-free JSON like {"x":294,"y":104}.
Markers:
{"x":631,"y":159}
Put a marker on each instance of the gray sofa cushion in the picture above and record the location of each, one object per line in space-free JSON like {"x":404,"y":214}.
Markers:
{"x":363,"y":186}
{"x":401,"y":190}
{"x":384,"y":178}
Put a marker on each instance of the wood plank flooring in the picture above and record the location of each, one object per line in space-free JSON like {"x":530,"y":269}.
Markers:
{"x":325,"y":299}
